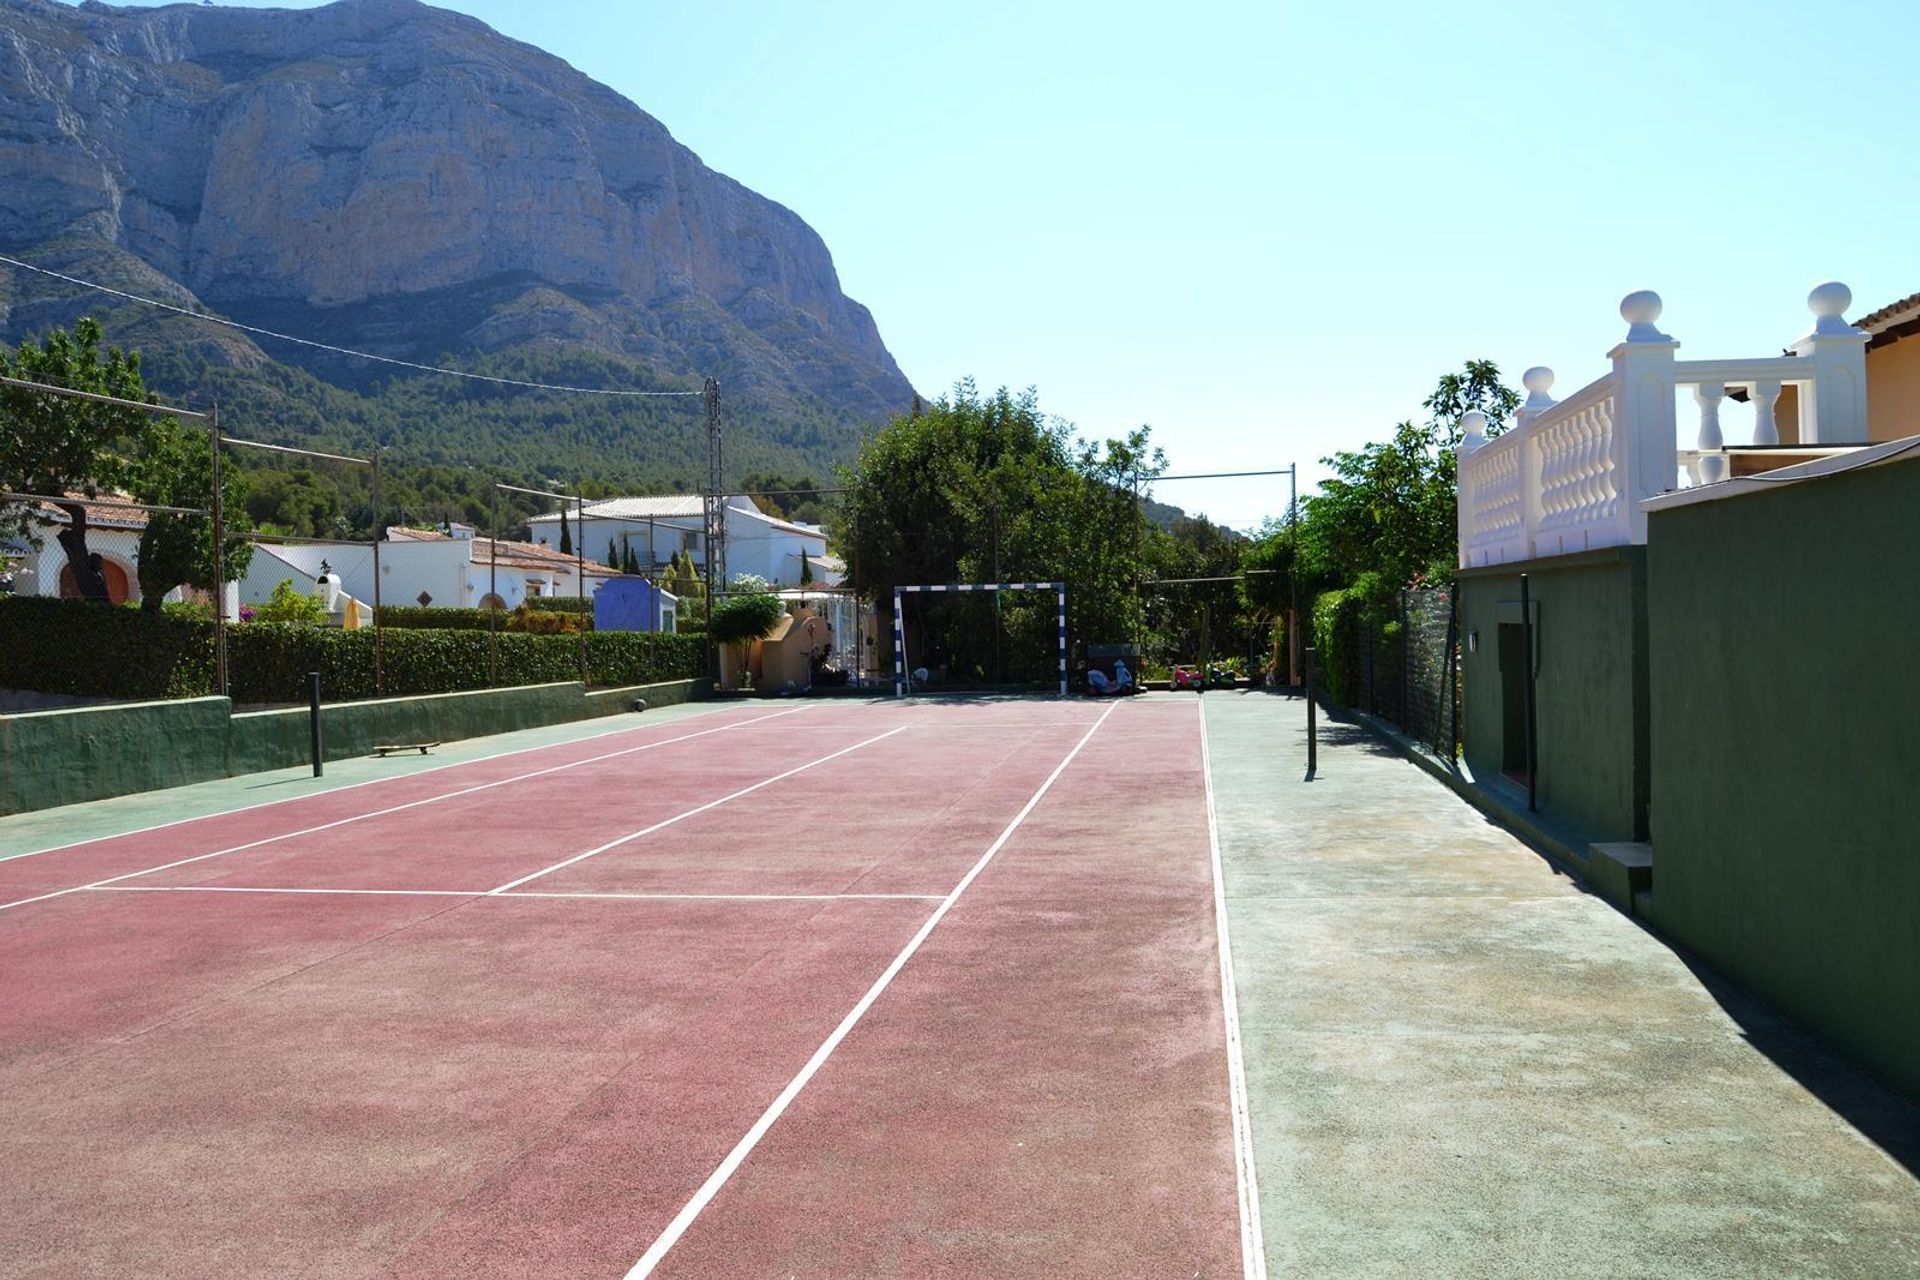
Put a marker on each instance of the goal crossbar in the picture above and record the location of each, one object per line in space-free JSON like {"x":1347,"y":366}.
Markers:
{"x":902,"y":683}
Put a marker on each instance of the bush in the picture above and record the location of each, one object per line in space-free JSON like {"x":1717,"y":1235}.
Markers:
{"x":287,"y":605}
{"x":561,"y":604}
{"x":69,"y":646}
{"x":525,"y":617}
{"x":414,"y":617}
{"x":1336,"y":621}
{"x":738,"y":619}
{"x":91,"y":650}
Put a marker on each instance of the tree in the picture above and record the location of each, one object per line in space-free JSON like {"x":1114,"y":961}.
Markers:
{"x":175,"y":468}
{"x":59,"y":445}
{"x":631,"y":563}
{"x":1389,"y":507}
{"x":740,"y":620}
{"x":985,"y":488}
{"x":566,"y":535}
{"x":613,"y":556}
{"x":1267,"y":591}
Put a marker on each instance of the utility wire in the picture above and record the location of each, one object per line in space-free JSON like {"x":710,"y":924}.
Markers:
{"x":341,"y":351}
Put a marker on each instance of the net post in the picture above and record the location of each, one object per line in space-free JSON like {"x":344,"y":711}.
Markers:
{"x":1313,"y":719}
{"x":313,"y":719}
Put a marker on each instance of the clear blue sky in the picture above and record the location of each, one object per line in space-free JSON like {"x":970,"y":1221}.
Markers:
{"x":1266,"y":229}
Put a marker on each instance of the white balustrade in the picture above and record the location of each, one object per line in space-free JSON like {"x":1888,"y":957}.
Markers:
{"x":1570,"y":475}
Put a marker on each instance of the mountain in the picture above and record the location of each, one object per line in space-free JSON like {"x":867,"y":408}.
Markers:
{"x":386,"y":176}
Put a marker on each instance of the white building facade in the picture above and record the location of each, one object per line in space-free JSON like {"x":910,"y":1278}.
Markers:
{"x":660,"y":528}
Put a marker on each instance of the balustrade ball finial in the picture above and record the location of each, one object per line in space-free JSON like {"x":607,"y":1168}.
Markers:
{"x":1640,"y":309}
{"x":1473,"y":430}
{"x":1829,"y":303}
{"x":1538,"y":380}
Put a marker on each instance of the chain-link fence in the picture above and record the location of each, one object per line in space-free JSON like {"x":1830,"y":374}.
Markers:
{"x":1405,"y":669}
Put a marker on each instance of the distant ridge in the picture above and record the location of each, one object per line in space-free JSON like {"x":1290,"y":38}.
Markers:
{"x":387,"y":176}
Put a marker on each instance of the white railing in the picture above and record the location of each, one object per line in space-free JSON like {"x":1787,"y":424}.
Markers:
{"x":1570,"y":475}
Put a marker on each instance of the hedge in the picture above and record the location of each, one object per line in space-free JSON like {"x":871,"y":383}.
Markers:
{"x":92,"y":650}
{"x":68,"y":646}
{"x":439,"y":618}
{"x":1336,"y":622}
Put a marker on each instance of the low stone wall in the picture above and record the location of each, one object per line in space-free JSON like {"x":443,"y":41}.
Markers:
{"x":50,"y":758}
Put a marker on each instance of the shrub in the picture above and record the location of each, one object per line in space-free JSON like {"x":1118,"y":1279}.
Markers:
{"x":90,"y":650}
{"x":69,"y":646}
{"x":561,"y":604}
{"x":286,"y":605}
{"x":739,"y":619}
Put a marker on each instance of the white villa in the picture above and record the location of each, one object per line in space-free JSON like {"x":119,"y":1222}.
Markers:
{"x":452,"y":567}
{"x":659,"y":528}
{"x":113,"y":533}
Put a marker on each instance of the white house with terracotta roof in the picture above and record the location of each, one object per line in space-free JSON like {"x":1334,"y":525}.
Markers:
{"x":113,"y":533}
{"x":661,"y":527}
{"x":451,"y":567}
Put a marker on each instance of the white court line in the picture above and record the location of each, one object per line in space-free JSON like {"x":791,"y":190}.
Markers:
{"x":691,"y":813}
{"x":530,"y":893}
{"x":718,"y":1178}
{"x":731,"y":897}
{"x":370,"y":782}
{"x":1253,"y":1250}
{"x":398,"y":808}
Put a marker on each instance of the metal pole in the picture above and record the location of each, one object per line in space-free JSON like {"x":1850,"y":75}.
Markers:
{"x":1293,"y":574}
{"x":313,"y":718}
{"x":899,"y":651}
{"x":494,"y":603}
{"x":1063,"y":640}
{"x":580,"y":570}
{"x":379,"y":668}
{"x":1447,"y":664}
{"x":1533,"y":736}
{"x":219,"y":563}
{"x":1313,"y":718}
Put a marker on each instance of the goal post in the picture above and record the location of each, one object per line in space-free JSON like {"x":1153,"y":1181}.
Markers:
{"x":903,"y":683}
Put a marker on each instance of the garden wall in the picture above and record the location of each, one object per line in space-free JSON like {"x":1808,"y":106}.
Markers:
{"x":50,"y":758}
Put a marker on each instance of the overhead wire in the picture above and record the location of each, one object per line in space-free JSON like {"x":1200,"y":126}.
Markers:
{"x":257,"y":331}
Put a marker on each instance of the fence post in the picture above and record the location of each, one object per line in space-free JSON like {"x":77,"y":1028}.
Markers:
{"x":313,"y":718}
{"x":1313,"y":720}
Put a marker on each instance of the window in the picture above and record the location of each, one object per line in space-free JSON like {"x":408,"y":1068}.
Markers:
{"x":690,"y":540}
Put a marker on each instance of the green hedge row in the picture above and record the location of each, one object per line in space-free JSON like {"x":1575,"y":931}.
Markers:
{"x":88,"y":650}
{"x":433,"y":618}
{"x":66,"y":646}
{"x":525,"y":618}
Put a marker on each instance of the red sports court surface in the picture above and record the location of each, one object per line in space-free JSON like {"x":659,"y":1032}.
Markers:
{"x":839,"y":990}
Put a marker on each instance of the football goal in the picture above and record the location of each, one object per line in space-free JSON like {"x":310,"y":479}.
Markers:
{"x":903,"y":677}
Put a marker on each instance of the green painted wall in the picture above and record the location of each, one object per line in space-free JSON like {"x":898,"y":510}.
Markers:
{"x":1590,"y":688}
{"x":50,"y":758}
{"x":1786,"y":711}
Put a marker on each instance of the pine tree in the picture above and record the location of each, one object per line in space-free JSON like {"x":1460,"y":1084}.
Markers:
{"x":613,"y":557}
{"x":566,"y":534}
{"x":632,"y":563}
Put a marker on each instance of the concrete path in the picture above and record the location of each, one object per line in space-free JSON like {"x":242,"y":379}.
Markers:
{"x":1460,"y":1064}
